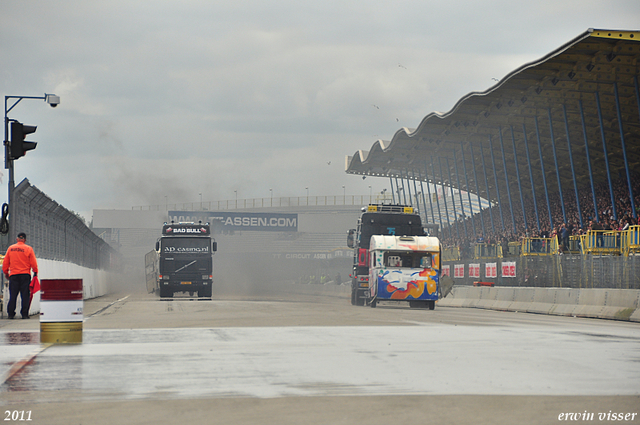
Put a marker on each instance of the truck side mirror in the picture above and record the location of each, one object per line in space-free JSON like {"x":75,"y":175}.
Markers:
{"x":214,"y":246}
{"x":157,"y":245}
{"x":351,"y":236}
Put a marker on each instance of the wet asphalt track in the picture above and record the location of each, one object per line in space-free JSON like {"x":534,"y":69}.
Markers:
{"x":332,"y":350}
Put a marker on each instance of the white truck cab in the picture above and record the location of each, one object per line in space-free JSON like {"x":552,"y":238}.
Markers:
{"x":404,"y":268}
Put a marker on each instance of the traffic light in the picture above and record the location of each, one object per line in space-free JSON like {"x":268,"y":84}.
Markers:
{"x":18,"y":133}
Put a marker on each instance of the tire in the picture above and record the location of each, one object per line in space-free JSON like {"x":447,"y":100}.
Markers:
{"x":432,"y":305}
{"x":205,"y":292}
{"x":373,"y":303}
{"x":359,"y":300}
{"x":166,"y":292}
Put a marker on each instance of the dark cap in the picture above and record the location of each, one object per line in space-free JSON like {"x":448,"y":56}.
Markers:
{"x":22,"y":235}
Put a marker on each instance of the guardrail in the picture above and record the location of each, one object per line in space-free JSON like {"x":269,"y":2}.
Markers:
{"x":277,"y":202}
{"x":594,"y":242}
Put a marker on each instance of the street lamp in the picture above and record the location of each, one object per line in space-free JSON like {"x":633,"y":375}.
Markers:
{"x":307,"y":195}
{"x":236,"y":192}
{"x":53,"y":101}
{"x":271,"y":191}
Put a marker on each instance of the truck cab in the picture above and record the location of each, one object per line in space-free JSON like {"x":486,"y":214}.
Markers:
{"x":404,"y":268}
{"x":185,"y":260}
{"x":377,"y":219}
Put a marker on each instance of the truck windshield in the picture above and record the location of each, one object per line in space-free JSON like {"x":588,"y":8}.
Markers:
{"x":407,"y":259}
{"x":186,"y":246}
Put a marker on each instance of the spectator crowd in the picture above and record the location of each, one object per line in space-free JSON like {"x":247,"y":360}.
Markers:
{"x":610,"y":216}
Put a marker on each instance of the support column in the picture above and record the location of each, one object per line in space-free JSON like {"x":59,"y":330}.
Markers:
{"x":486,"y":182}
{"x":544,"y":176}
{"x":606,"y":157}
{"x":433,"y":172}
{"x":573,"y":173}
{"x":393,"y":197}
{"x":515,"y":159}
{"x":446,"y":208}
{"x":475,"y":176}
{"x":555,"y":159}
{"x":464,"y":217}
{"x":426,"y":176}
{"x":624,"y":148}
{"x":586,"y":148}
{"x":533,"y":186}
{"x":466,"y":178}
{"x":453,"y":199}
{"x":495,"y":176}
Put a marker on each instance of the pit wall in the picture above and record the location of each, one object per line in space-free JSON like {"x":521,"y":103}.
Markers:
{"x":615,"y":304}
{"x":95,"y":282}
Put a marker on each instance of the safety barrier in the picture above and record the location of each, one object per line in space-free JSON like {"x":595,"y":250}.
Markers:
{"x":615,"y":304}
{"x":539,"y":246}
{"x":632,"y":241}
{"x":602,"y":242}
{"x":483,"y":250}
{"x":596,"y":242}
{"x":451,"y":254}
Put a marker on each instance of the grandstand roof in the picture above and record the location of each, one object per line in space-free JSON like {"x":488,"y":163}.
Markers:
{"x":598,"y":66}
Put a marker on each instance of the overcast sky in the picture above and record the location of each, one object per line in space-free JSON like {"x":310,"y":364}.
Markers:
{"x":166,"y":100}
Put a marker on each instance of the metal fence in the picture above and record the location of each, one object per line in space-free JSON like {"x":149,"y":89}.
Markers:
{"x":565,"y":271}
{"x":278,"y":202}
{"x":56,"y":233}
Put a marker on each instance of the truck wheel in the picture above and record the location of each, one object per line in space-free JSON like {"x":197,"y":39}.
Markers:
{"x":373,"y":303}
{"x":359,"y":300}
{"x":354,"y":295}
{"x":205,"y":292}
{"x":166,"y":293}
{"x":432,"y":305}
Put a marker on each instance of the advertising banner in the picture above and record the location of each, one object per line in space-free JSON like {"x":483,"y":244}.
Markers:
{"x":446,"y":271}
{"x":239,"y":221}
{"x":458,"y":271}
{"x":474,"y":270}
{"x":509,"y":269}
{"x":491,"y":270}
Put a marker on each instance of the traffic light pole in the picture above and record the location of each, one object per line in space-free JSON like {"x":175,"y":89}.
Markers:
{"x":53,"y":100}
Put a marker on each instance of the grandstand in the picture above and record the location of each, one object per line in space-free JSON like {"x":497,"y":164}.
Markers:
{"x":555,"y":141}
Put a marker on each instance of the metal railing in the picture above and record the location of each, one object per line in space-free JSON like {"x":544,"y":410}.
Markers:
{"x":278,"y":202}
{"x":56,"y":233}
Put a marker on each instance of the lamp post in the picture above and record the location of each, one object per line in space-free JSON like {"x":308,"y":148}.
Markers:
{"x":307,"y":195}
{"x":236,"y":192}
{"x":53,"y":101}
{"x":271,"y":190}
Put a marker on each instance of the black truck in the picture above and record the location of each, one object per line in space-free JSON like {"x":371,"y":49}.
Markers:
{"x":184,"y":260}
{"x":377,"y":219}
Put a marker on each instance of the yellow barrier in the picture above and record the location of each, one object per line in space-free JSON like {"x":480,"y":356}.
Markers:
{"x":597,"y":242}
{"x":450,"y":254}
{"x":632,"y":241}
{"x":483,"y":250}
{"x":603,"y":242}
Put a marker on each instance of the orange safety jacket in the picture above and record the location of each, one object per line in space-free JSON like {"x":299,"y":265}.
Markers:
{"x":20,"y":259}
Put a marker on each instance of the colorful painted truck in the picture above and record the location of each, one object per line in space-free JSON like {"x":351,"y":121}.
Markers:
{"x":377,"y":219}
{"x":404,"y":268}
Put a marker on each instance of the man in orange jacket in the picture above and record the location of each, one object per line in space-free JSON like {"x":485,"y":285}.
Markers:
{"x":17,"y":266}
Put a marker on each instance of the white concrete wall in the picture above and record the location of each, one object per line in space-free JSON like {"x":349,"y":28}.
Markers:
{"x":617,"y":304}
{"x":95,"y":282}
